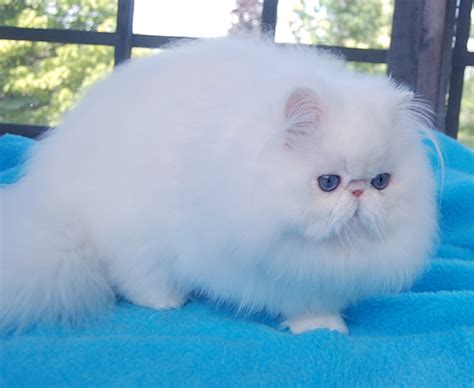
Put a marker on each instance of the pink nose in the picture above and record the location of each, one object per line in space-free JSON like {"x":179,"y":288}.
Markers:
{"x":357,"y":193}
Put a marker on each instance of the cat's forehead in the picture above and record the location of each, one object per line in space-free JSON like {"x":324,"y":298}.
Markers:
{"x":356,"y":151}
{"x":361,"y":103}
{"x":359,"y":126}
{"x":357,"y":165}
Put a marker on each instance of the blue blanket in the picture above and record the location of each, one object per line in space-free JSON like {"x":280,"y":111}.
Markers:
{"x":424,"y":337}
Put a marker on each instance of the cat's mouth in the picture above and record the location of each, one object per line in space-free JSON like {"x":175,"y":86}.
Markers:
{"x":355,"y":224}
{"x":365,"y":224}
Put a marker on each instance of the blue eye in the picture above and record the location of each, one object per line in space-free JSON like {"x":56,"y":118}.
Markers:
{"x":380,"y":181}
{"x":329,"y":182}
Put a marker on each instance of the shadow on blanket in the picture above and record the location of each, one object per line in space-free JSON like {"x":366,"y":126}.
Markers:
{"x":422,"y":337}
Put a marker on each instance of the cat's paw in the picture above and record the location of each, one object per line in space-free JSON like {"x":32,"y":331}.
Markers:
{"x":306,"y":323}
{"x":163,"y":302}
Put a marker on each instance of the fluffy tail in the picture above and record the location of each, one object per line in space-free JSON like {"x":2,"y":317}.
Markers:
{"x":49,"y":271}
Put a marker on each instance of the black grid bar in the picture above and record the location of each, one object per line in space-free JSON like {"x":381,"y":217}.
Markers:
{"x":352,"y":54}
{"x":156,"y":41}
{"x":123,"y":47}
{"x":58,"y":36}
{"x":467,"y":58}
{"x":22,"y":129}
{"x":269,"y":17}
{"x":460,"y":52}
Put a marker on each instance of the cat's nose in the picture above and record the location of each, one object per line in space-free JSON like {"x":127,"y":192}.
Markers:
{"x":357,"y":193}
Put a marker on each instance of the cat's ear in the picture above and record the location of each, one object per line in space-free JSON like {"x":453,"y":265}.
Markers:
{"x":302,"y":116}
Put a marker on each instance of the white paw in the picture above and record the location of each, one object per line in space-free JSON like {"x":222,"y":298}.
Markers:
{"x":168,"y":302}
{"x":314,"y":322}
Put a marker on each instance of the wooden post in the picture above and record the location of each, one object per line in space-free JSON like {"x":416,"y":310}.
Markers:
{"x":435,"y":56}
{"x":420,"y":49}
{"x":404,"y":53}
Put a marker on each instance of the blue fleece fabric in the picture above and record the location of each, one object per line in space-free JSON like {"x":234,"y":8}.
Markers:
{"x":424,"y":337}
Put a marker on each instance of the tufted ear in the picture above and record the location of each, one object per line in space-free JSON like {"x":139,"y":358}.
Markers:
{"x":302,"y":116}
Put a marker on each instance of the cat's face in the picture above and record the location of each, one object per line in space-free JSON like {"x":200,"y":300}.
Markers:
{"x":350,"y":198}
{"x":362,"y":171}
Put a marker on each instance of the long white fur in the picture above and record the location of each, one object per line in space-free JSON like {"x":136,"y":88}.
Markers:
{"x":183,"y":172}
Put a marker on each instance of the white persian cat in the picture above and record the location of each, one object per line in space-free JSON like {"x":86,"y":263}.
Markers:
{"x":266,"y":177}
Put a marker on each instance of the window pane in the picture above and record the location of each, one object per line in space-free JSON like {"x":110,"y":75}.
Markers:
{"x":204,"y":18}
{"x":471,"y":32}
{"x":371,"y":68}
{"x":93,"y":15}
{"x":466,"y":119}
{"x":40,"y":81}
{"x":349,"y":23}
{"x":138,"y":52}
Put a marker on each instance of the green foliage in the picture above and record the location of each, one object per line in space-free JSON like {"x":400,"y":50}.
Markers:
{"x":40,"y":80}
{"x":349,"y":23}
{"x":98,"y":15}
{"x":466,"y":119}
